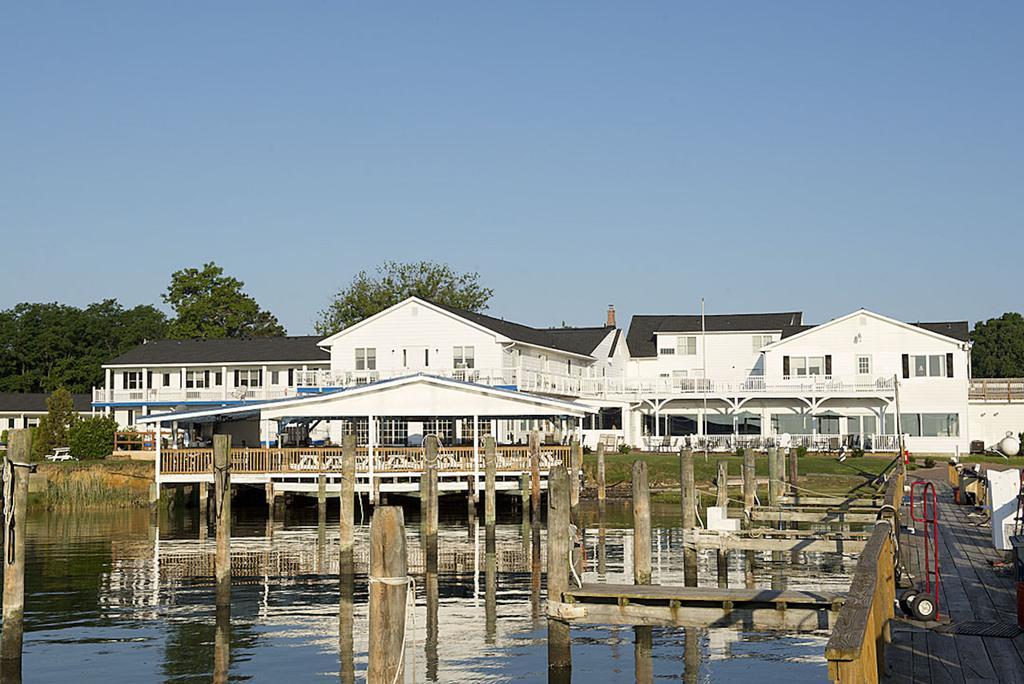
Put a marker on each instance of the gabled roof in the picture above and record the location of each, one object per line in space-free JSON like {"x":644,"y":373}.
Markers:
{"x":956,"y":331}
{"x":13,"y":402}
{"x":643,"y":328}
{"x":232,"y":350}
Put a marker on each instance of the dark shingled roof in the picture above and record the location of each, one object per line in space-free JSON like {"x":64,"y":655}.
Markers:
{"x":642,"y":342}
{"x":12,"y":402}
{"x":958,"y":330}
{"x":251,"y":350}
{"x":575,"y":340}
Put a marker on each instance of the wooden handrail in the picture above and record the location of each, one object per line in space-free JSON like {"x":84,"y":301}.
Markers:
{"x":856,"y":649}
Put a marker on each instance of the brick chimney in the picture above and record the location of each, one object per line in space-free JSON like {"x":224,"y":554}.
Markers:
{"x":610,"y":321}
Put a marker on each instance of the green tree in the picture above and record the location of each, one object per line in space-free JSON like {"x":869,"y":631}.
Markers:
{"x":92,"y":437}
{"x":998,"y":350}
{"x":367,"y":295}
{"x":210,"y":305}
{"x":54,"y":427}
{"x":44,"y":346}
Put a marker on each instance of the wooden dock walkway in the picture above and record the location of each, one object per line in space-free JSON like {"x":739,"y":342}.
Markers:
{"x":971,"y":591}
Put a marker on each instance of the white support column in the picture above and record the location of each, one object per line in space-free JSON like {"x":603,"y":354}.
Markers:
{"x":109,"y":391}
{"x":371,"y":441}
{"x":224,"y":381}
{"x":159,"y":451}
{"x":174,"y":435}
{"x":145,"y":382}
{"x":264,"y":381}
{"x":182,"y":375}
{"x":476,"y":458}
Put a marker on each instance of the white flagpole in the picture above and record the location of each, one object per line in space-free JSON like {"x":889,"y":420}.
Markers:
{"x":704,"y":372}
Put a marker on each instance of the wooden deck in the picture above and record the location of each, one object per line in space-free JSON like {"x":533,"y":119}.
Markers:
{"x":971,"y":590}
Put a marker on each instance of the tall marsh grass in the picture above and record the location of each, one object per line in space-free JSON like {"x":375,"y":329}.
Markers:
{"x":93,"y":488}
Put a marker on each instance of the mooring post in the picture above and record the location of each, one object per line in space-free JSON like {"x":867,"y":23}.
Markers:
{"x":428,"y":498}
{"x":471,"y":503}
{"x":321,"y":491}
{"x":600,"y":475}
{"x":689,"y":504}
{"x":346,"y":498}
{"x":773,"y":486}
{"x":524,"y":495}
{"x":722,"y":501}
{"x":490,"y":481}
{"x":15,"y":489}
{"x":222,"y":502}
{"x":389,"y":587}
{"x":535,"y":477}
{"x":204,"y":493}
{"x":346,"y":619}
{"x":749,"y":482}
{"x":641,"y":525}
{"x":794,"y":472}
{"x":559,"y":547}
{"x":576,"y":465}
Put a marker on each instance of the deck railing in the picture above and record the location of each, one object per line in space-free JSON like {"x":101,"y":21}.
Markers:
{"x":997,"y":389}
{"x":386,"y":460}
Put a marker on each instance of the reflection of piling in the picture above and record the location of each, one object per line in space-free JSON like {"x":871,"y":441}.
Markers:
{"x":602,"y":556}
{"x":490,"y":594}
{"x":600,"y":476}
{"x":688,"y":501}
{"x":524,"y":496}
{"x":222,"y":644}
{"x":222,"y":502}
{"x":15,"y":489}
{"x":346,"y":621}
{"x":388,"y":593}
{"x":691,"y":655}
{"x":643,"y":645}
{"x":431,"y":645}
{"x":346,"y":497}
{"x":471,"y":503}
{"x":321,"y":493}
{"x":535,"y":477}
{"x":559,"y":546}
{"x":641,"y":524}
{"x":575,"y":465}
{"x":490,"y":481}
{"x":428,"y":502}
{"x":204,"y":508}
{"x":749,"y":482}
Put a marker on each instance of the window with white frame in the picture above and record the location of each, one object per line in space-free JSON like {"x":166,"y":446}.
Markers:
{"x":393,"y":431}
{"x":815,"y":365}
{"x":197,"y":379}
{"x":250,"y":377}
{"x":806,"y":366}
{"x":863,"y":365}
{"x":275,"y":377}
{"x":798,"y":366}
{"x":463,"y":357}
{"x":366,"y":358}
{"x":760,"y":341}
{"x":166,"y":380}
{"x":444,"y":428}
{"x":686,"y":345}
{"x":131,"y":380}
{"x":933,"y":366}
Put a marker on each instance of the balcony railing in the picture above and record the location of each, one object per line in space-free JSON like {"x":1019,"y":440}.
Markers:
{"x":997,"y":389}
{"x":724,"y":443}
{"x":174,"y":394}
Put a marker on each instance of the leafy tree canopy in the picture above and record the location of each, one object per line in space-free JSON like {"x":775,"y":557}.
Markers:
{"x":53,"y":428}
{"x":48,"y":345}
{"x":368,"y":294}
{"x":210,"y":305}
{"x":998,"y":350}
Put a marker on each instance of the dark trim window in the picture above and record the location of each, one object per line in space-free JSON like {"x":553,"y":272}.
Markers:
{"x":366,"y":358}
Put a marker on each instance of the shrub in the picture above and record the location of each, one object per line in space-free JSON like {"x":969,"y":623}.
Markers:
{"x":929,"y":462}
{"x":587,"y":450}
{"x":740,"y":452}
{"x":625,"y":449}
{"x":3,"y":437}
{"x":801,"y":451}
{"x":92,"y":437}
{"x":856,"y":452}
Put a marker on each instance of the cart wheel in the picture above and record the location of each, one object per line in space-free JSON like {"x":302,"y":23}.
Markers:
{"x":906,"y":597}
{"x":922,"y":607}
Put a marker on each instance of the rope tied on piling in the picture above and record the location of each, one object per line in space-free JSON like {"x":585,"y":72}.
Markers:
{"x":220,"y":480}
{"x":8,"y":504}
{"x":410,"y":583}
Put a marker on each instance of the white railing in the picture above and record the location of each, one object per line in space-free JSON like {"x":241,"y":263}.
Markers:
{"x":175,"y":394}
{"x":727,"y":443}
{"x":331,"y":379}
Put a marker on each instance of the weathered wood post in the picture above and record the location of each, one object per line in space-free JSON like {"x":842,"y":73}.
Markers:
{"x":600,"y":475}
{"x":389,"y":588}
{"x":524,"y":496}
{"x":780,"y":475}
{"x":641,"y":525}
{"x":16,"y":470}
{"x":346,"y":498}
{"x":689,"y":504}
{"x":722,"y":501}
{"x":346,"y":619}
{"x":471,"y":503}
{"x":428,"y":499}
{"x":222,"y":502}
{"x":490,"y":482}
{"x":576,"y":465}
{"x":204,"y":508}
{"x":749,"y":482}
{"x":559,"y":547}
{"x":321,"y":491}
{"x":773,"y":485}
{"x":535,"y":477}
{"x":794,"y":472}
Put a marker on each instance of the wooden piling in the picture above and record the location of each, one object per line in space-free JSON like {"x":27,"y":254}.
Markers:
{"x":15,"y":489}
{"x":524,"y":495}
{"x":222,"y":502}
{"x":773,"y":485}
{"x":388,"y":595}
{"x":722,"y":498}
{"x":600,"y":475}
{"x":429,"y":503}
{"x":794,"y":472}
{"x":346,"y":619}
{"x":321,"y":496}
{"x":749,"y":482}
{"x":688,"y":501}
{"x":641,"y":525}
{"x":535,"y":477}
{"x":576,"y":465}
{"x":204,"y":494}
{"x":490,"y":482}
{"x":559,"y":548}
{"x":346,"y":497}
{"x":471,"y":503}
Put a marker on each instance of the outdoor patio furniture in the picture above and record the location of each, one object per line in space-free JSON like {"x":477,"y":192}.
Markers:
{"x":60,"y":454}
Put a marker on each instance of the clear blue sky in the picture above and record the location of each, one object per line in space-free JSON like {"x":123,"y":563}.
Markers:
{"x":765,"y":155}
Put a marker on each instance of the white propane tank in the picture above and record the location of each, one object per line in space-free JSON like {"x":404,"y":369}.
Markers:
{"x":1009,"y":445}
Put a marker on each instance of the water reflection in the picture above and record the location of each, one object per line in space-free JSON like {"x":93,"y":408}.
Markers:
{"x":110,"y":598}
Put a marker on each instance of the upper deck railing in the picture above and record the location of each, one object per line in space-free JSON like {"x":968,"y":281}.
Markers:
{"x":997,"y":389}
{"x":386,"y":460}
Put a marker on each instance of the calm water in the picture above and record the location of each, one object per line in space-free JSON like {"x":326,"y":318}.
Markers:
{"x":114,"y":598}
